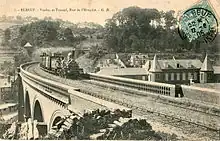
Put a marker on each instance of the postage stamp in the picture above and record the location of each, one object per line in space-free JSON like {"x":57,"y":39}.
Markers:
{"x":198,"y":24}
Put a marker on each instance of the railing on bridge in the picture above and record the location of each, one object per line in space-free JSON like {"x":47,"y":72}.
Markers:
{"x":60,"y":91}
{"x":51,"y":89}
{"x":152,"y":87}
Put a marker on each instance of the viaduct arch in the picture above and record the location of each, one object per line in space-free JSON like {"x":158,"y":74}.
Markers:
{"x":38,"y":114}
{"x":27,"y":107}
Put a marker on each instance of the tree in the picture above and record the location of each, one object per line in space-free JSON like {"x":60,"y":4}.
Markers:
{"x":68,"y":35}
{"x":128,"y":30}
{"x":21,"y":57}
{"x":39,"y":32}
{"x":142,"y":30}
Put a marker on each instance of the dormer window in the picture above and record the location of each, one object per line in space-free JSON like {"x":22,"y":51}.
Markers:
{"x":178,"y":65}
{"x":165,"y":64}
{"x":189,"y":64}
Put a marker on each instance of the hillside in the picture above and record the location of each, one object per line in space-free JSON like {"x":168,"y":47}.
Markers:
{"x":5,"y":25}
{"x":47,"y":33}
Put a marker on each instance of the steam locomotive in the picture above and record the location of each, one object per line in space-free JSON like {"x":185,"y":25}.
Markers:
{"x":57,"y":64}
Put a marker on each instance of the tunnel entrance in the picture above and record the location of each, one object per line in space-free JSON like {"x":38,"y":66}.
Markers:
{"x":27,"y":106}
{"x":38,"y":115}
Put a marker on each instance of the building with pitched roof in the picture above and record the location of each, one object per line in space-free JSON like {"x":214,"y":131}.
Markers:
{"x":176,"y":71}
{"x":137,"y":60}
{"x":29,"y":48}
{"x":27,"y":45}
{"x":133,"y":73}
{"x":173,"y":71}
{"x":5,"y":88}
{"x":181,"y":71}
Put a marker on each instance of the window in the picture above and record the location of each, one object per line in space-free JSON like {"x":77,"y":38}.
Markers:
{"x":209,"y":76}
{"x":189,"y":76}
{"x":157,"y":76}
{"x":178,"y":65}
{"x":172,"y":76}
{"x":189,"y":64}
{"x":184,"y":76}
{"x":165,"y":64}
{"x":201,"y":76}
{"x":166,"y":76}
{"x":177,"y":76}
{"x":195,"y":76}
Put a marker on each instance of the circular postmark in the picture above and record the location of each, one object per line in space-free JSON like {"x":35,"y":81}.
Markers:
{"x":198,"y":24}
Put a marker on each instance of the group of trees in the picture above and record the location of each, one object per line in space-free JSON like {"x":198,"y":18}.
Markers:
{"x":46,"y":32}
{"x":146,"y":30}
{"x":53,"y":33}
{"x":131,"y":30}
{"x":7,"y":68}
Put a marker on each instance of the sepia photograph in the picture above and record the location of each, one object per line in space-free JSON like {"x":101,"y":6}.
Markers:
{"x":110,"y":70}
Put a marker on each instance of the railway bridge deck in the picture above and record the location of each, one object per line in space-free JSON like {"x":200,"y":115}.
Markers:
{"x":99,"y":94}
{"x":46,"y":100}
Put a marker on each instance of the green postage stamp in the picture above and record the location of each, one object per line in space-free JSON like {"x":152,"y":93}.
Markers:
{"x":198,"y":23}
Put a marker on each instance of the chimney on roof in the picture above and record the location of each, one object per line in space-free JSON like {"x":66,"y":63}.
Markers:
{"x":189,"y":64}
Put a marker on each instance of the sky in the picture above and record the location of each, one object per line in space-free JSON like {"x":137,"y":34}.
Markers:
{"x":13,"y":8}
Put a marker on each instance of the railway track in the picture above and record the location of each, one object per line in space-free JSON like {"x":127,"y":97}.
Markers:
{"x":150,"y":113}
{"x":172,"y":120}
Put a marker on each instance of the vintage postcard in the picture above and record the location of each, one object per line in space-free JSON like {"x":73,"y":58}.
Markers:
{"x":110,"y":70}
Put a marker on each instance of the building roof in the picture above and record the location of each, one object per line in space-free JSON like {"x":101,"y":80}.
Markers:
{"x":158,"y":65}
{"x":139,"y":56}
{"x":155,"y":67}
{"x":207,"y":65}
{"x":183,"y":64}
{"x":4,"y":83}
{"x":123,"y":71}
{"x":6,"y":105}
{"x":216,"y":69}
{"x":27,"y":45}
